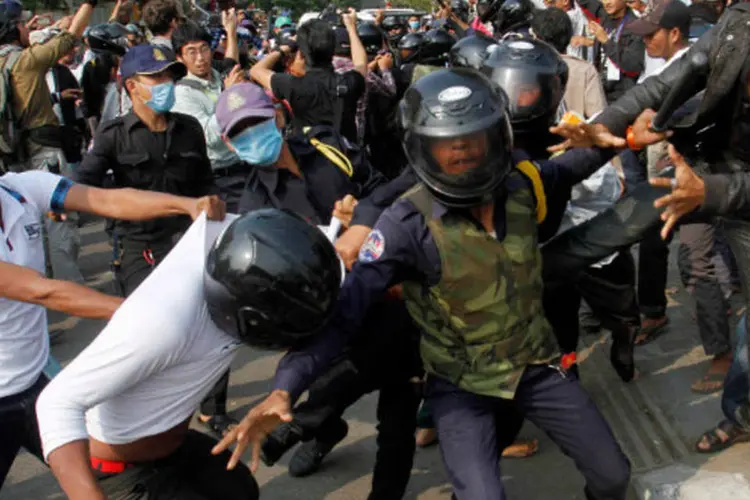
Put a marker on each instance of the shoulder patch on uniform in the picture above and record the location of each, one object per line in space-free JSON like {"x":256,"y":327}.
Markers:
{"x":373,"y":247}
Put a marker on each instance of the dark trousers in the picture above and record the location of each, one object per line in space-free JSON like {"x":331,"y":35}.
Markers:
{"x":190,"y":473}
{"x":469,"y":427}
{"x":386,"y":361}
{"x":216,"y":400}
{"x":735,"y":400}
{"x":653,"y":263}
{"x":18,"y":426}
{"x":610,"y":291}
{"x":698,"y":274}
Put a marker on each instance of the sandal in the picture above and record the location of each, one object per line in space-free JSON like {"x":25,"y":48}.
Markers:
{"x":652,"y":332}
{"x":734,"y":433}
{"x":710,"y":383}
{"x":219,"y":425}
{"x":521,"y":448}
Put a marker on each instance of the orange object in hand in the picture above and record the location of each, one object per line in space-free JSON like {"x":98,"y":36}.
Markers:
{"x":572,"y":118}
{"x":568,"y":360}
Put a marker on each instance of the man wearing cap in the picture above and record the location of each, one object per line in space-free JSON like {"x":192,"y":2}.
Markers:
{"x":288,"y":173}
{"x":153,"y":149}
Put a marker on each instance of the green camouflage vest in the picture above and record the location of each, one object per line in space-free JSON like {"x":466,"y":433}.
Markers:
{"x":483,"y":323}
{"x":421,"y":70}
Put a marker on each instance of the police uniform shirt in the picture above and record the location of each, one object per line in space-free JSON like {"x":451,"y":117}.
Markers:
{"x":154,"y":362}
{"x":173,"y":161}
{"x":24,"y":343}
{"x":401,"y":248}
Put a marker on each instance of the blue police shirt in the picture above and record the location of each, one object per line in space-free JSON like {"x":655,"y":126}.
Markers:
{"x":400,"y":248}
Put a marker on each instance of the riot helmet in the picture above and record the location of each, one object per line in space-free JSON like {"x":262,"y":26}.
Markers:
{"x":534,"y":76}
{"x":437,"y":44}
{"x":511,"y":15}
{"x":460,"y":8}
{"x":410,"y":47}
{"x":271,"y":279}
{"x":11,"y":14}
{"x":109,"y":38}
{"x":457,"y":135}
{"x":469,"y":52}
{"x":371,"y":36}
{"x":394,"y":27}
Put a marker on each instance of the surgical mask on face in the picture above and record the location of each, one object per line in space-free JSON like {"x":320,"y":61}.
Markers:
{"x":259,"y":145}
{"x":162,"y":96}
{"x":414,"y":25}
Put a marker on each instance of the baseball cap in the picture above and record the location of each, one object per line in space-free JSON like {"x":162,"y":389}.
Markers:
{"x":149,"y":60}
{"x":13,"y":9}
{"x":666,"y":14}
{"x":282,"y":21}
{"x":242,"y":101}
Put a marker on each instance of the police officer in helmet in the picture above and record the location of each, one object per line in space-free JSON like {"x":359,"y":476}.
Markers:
{"x":470,"y":51}
{"x":476,"y":208}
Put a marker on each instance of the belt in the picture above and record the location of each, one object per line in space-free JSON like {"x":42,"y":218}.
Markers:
{"x":109,"y":466}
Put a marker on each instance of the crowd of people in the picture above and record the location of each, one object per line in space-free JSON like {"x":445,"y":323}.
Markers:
{"x":458,"y":192}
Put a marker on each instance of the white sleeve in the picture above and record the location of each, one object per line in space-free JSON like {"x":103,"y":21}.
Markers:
{"x":143,"y":338}
{"x":45,"y":191}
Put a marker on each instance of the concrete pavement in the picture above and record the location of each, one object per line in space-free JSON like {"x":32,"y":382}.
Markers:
{"x":656,"y":419}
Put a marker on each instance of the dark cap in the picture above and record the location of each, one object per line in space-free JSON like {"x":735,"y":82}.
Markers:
{"x":149,"y":60}
{"x":241,"y":101}
{"x":665,"y":14}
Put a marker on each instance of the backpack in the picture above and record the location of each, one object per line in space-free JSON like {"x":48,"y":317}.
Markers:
{"x":10,"y":135}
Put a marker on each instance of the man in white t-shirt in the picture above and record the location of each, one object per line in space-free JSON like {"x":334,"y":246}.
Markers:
{"x":25,"y":293}
{"x":115,"y":420}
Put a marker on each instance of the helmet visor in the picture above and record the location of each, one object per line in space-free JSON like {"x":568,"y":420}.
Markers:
{"x":530,"y":95}
{"x":464,"y":166}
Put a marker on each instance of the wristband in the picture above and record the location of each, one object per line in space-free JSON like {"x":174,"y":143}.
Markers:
{"x":630,"y":138}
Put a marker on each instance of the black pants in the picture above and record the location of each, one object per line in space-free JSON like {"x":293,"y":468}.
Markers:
{"x":653,"y":263}
{"x":470,"y":428}
{"x":18,"y":426}
{"x":610,"y":291}
{"x":190,"y":473}
{"x":698,"y":273}
{"x":136,"y":261}
{"x":386,"y":361}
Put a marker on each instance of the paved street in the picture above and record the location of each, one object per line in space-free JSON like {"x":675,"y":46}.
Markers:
{"x":655,"y":418}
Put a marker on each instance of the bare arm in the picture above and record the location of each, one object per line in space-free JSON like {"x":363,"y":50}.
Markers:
{"x":229,"y":20}
{"x":261,"y":72}
{"x":26,"y":285}
{"x":359,"y":55}
{"x":71,"y":466}
{"x":132,"y":204}
{"x":81,"y":20}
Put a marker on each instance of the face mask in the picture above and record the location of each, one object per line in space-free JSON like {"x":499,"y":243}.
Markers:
{"x":259,"y":145}
{"x":162,"y":96}
{"x":414,"y":25}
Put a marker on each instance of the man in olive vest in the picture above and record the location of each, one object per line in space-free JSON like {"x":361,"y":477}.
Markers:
{"x":464,"y":245}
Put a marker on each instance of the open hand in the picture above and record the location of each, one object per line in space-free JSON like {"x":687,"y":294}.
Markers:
{"x":585,"y":135}
{"x":254,"y":428}
{"x":688,"y":192}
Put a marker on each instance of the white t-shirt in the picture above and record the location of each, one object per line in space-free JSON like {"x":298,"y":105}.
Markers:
{"x":24,"y":343}
{"x":153,"y":363}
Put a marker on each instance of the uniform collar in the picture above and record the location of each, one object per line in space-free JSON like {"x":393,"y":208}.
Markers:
{"x":130,"y":120}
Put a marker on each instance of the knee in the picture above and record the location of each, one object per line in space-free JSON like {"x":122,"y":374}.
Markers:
{"x":613,"y":482}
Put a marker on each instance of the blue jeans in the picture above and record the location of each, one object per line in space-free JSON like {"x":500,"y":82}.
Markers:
{"x":735,"y":402}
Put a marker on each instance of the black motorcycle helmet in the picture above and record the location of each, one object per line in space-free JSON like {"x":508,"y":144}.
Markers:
{"x":286,"y":35}
{"x":410,"y":47}
{"x":11,"y":12}
{"x":394,"y":27}
{"x":469,"y":52}
{"x":437,"y":44}
{"x":461,"y":9}
{"x":371,"y":36}
{"x":511,"y":15}
{"x":534,"y":76}
{"x":457,"y":135}
{"x":109,"y":38}
{"x":343,"y":45}
{"x":271,"y":279}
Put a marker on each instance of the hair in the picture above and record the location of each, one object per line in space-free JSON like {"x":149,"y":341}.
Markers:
{"x":317,"y":43}
{"x":188,"y":32}
{"x":159,"y":14}
{"x":552,"y":25}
